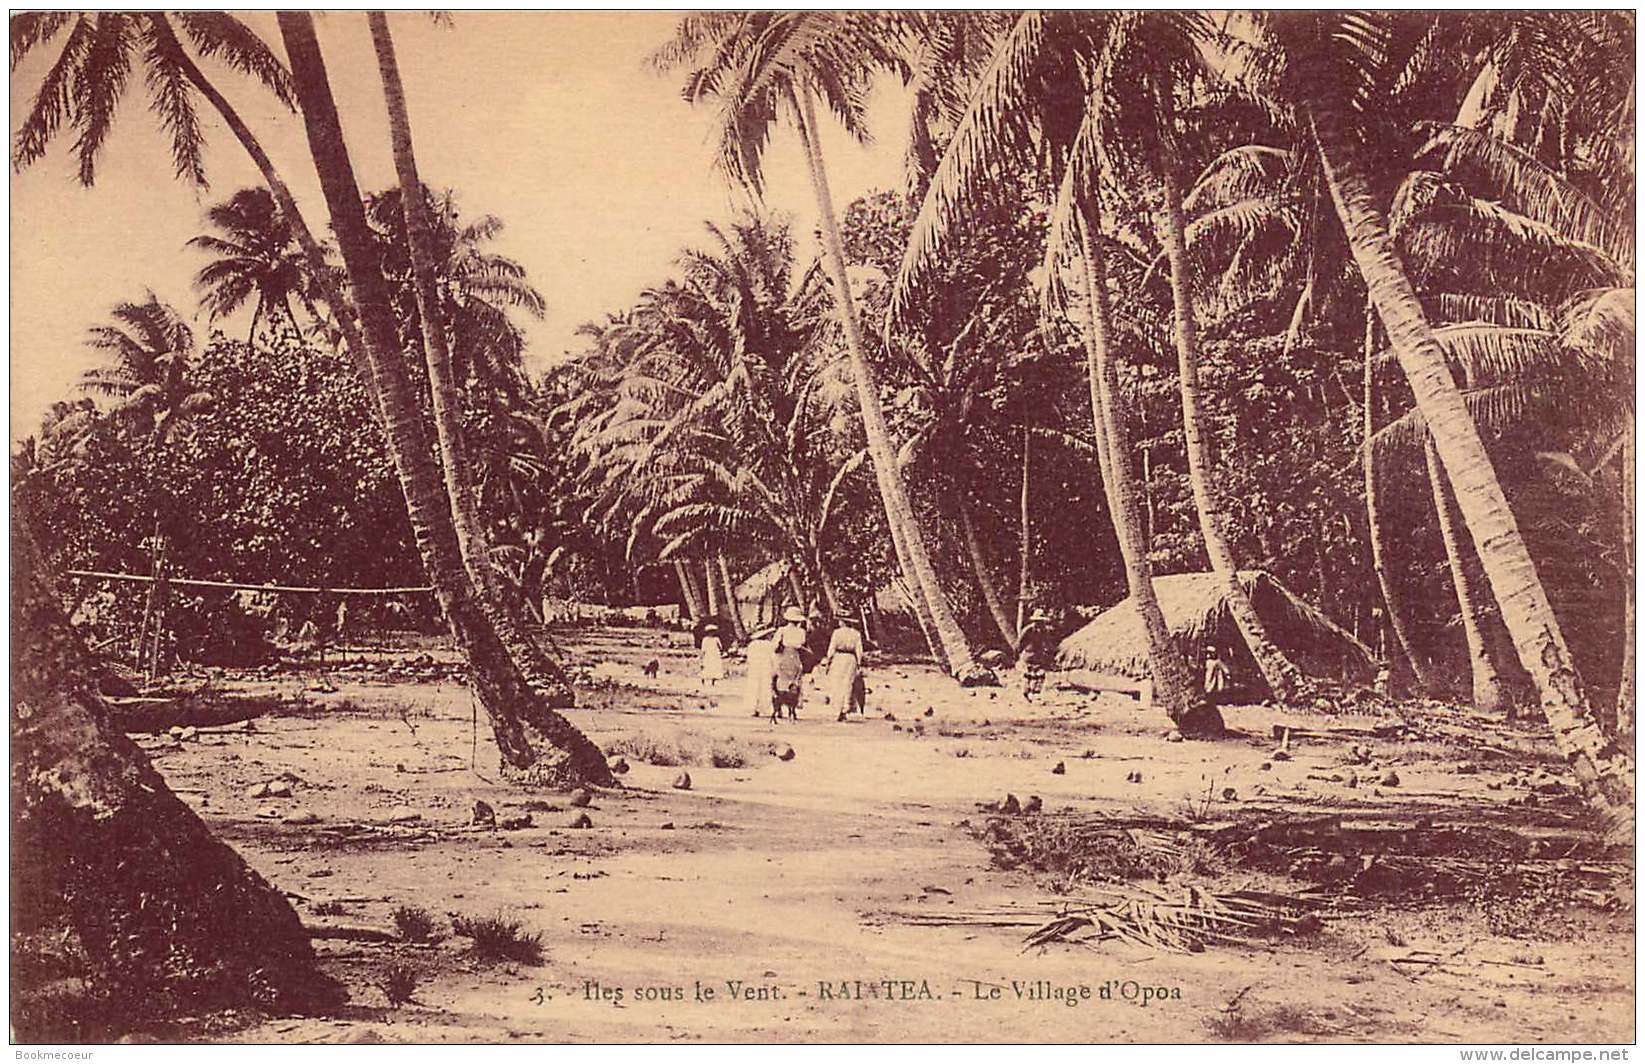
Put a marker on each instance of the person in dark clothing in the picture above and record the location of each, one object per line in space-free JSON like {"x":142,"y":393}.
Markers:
{"x":788,"y":657}
{"x":1037,"y":652}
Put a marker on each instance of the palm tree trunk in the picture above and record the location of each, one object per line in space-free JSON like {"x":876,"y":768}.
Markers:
{"x":443,"y":388}
{"x":1625,"y":684}
{"x":518,"y":713}
{"x":1279,"y":673}
{"x":1487,"y":684}
{"x":688,"y":591}
{"x":831,"y":595}
{"x":711,"y":582}
{"x":1025,"y":537}
{"x":1605,"y":772}
{"x":979,"y":565}
{"x":1374,"y":527}
{"x":728,"y":591}
{"x":899,"y":512}
{"x":256,"y":313}
{"x":109,"y":859}
{"x":1173,"y":686}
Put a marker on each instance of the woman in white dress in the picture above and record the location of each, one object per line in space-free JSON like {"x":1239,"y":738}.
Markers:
{"x":762,"y":665}
{"x":713,"y":659}
{"x":844,"y":668}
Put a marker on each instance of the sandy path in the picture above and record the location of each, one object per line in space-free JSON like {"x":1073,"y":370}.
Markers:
{"x":787,"y":875}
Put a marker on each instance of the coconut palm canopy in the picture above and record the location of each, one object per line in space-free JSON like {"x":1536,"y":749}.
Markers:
{"x":1196,"y":611}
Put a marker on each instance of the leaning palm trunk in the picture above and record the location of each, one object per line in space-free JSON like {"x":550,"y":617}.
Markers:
{"x":1173,"y":686}
{"x":1281,"y":675}
{"x":1487,"y":684}
{"x":519,"y":714}
{"x":159,"y":915}
{"x":899,"y":513}
{"x":1373,"y":520}
{"x":985,"y":579}
{"x":1025,"y":540}
{"x":1604,"y":771}
{"x":1625,"y":684}
{"x":444,"y":393}
{"x":728,"y":595}
{"x":711,"y":581}
{"x":688,"y":591}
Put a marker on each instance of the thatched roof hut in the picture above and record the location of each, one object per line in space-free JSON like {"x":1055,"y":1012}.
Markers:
{"x":761,"y":597}
{"x":1196,"y":611}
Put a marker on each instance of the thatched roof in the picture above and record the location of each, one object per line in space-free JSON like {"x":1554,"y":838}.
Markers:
{"x":761,"y":583}
{"x":1196,"y":611}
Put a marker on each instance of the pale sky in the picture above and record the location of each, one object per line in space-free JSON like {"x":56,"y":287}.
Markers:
{"x":552,"y":121}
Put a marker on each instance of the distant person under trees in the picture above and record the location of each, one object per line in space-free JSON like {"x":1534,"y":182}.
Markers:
{"x":1037,"y":651}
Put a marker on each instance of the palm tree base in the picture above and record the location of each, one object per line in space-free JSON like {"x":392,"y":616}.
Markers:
{"x":1202,"y":721}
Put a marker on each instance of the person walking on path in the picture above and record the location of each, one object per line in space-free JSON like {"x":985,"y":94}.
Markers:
{"x":842,"y":666}
{"x":789,"y":657}
{"x":762,"y":666}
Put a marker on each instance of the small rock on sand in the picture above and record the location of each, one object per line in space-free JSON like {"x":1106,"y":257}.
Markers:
{"x":785,"y":754}
{"x":303,"y":816}
{"x":1391,"y":780}
{"x":1059,"y":769}
{"x":1011,"y":805}
{"x":484,"y":814}
{"x":682,"y":782}
{"x":580,"y":798}
{"x":619,"y":766}
{"x":1034,"y":804}
{"x":668,"y":826}
{"x":583,"y":821}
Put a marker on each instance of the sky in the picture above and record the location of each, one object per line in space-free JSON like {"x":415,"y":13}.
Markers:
{"x":553,"y":121}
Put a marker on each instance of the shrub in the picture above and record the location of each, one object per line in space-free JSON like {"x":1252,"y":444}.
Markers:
{"x":398,"y":983}
{"x":414,"y":924}
{"x":498,"y":938}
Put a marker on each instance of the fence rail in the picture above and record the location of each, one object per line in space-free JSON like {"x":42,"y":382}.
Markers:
{"x":184,"y":582}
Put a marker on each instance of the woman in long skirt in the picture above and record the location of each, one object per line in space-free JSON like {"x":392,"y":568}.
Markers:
{"x":762,"y":665}
{"x":844,"y":669}
{"x":713,"y":659}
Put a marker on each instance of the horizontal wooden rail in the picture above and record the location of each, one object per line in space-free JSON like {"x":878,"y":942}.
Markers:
{"x":182,"y":582}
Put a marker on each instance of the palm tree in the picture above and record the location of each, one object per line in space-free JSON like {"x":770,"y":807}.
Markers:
{"x":149,"y":381}
{"x":1145,"y":62}
{"x":86,"y":83}
{"x":708,"y":415}
{"x":254,"y":259}
{"x":83,"y":89}
{"x":519,"y":714}
{"x":421,"y":233}
{"x":760,"y":66}
{"x":1326,"y":55}
{"x":1019,"y":113}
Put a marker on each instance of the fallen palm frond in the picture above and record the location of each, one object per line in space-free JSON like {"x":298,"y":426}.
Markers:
{"x":1349,"y":860}
{"x":1187,"y":923}
{"x":1149,"y":918}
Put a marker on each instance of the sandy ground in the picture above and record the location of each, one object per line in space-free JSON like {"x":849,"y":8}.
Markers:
{"x":787,"y":887}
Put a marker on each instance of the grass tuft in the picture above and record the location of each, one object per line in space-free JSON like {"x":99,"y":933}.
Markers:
{"x":498,"y":938}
